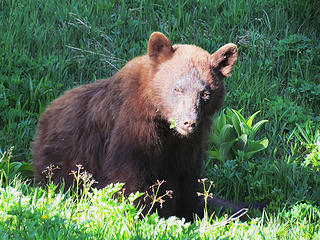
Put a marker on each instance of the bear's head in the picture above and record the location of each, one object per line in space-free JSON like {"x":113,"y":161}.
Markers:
{"x":187,"y":81}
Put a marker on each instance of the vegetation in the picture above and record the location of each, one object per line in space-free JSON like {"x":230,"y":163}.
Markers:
{"x":50,"y":46}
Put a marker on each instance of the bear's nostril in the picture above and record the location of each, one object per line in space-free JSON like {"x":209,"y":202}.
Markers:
{"x":190,"y":124}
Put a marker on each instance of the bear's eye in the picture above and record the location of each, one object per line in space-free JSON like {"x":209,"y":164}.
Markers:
{"x":205,"y":95}
{"x":178,"y":90}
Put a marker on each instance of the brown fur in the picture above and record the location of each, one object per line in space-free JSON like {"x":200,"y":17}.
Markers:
{"x":118,"y":128}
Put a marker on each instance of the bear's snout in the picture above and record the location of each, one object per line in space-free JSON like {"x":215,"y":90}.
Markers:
{"x":186,"y":127}
{"x":189,"y":125}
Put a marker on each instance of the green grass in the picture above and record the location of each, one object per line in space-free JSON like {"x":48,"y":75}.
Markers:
{"x":33,"y":213}
{"x":47,"y":47}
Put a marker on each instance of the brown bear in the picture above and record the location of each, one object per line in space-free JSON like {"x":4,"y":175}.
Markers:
{"x":148,"y":122}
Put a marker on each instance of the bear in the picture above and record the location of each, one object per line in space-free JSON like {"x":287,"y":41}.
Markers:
{"x":147,"y":123}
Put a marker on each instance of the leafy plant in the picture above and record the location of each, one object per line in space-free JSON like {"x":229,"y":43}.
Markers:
{"x":233,"y":136}
{"x":311,"y":140}
{"x":9,"y":170}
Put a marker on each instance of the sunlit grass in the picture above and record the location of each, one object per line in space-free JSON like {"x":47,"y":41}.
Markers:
{"x":34,"y":213}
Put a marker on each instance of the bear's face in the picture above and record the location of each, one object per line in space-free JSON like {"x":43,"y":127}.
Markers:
{"x":188,"y":81}
{"x":188,"y":89}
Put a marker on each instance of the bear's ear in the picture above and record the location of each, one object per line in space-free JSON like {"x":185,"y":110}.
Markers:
{"x":159,"y":47}
{"x":224,"y":59}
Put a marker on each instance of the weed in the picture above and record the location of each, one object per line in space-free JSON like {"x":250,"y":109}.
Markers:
{"x":311,"y":141}
{"x":206,"y":194}
{"x":155,"y":196}
{"x":49,"y":171}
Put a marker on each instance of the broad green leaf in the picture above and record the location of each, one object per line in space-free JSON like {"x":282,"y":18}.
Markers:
{"x":225,"y":150}
{"x":215,"y":155}
{"x":256,"y":127}
{"x":239,"y":115}
{"x":242,"y":141}
{"x":229,"y":114}
{"x":221,"y":120}
{"x":227,"y":133}
{"x":265,"y":142}
{"x":245,"y":129}
{"x":26,"y":170}
{"x":215,"y":139}
{"x":250,"y":120}
{"x":257,"y":146}
{"x":236,"y":123}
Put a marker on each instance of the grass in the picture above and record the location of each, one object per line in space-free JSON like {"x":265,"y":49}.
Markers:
{"x":50,"y":46}
{"x":33,"y":213}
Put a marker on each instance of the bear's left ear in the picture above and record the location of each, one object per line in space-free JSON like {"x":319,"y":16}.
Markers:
{"x":159,"y":47}
{"x":224,"y":59}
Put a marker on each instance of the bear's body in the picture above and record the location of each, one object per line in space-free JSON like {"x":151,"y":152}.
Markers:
{"x":119,"y":129}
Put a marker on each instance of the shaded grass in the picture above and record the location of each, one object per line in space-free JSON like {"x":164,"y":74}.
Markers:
{"x":61,"y":45}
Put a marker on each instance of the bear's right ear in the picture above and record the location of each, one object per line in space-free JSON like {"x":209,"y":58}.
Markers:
{"x":159,"y":47}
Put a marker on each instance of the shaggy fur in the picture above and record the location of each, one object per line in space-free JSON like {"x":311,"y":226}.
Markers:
{"x":118,"y":129}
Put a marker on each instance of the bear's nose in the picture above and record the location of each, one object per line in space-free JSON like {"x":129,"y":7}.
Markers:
{"x":189,"y":125}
